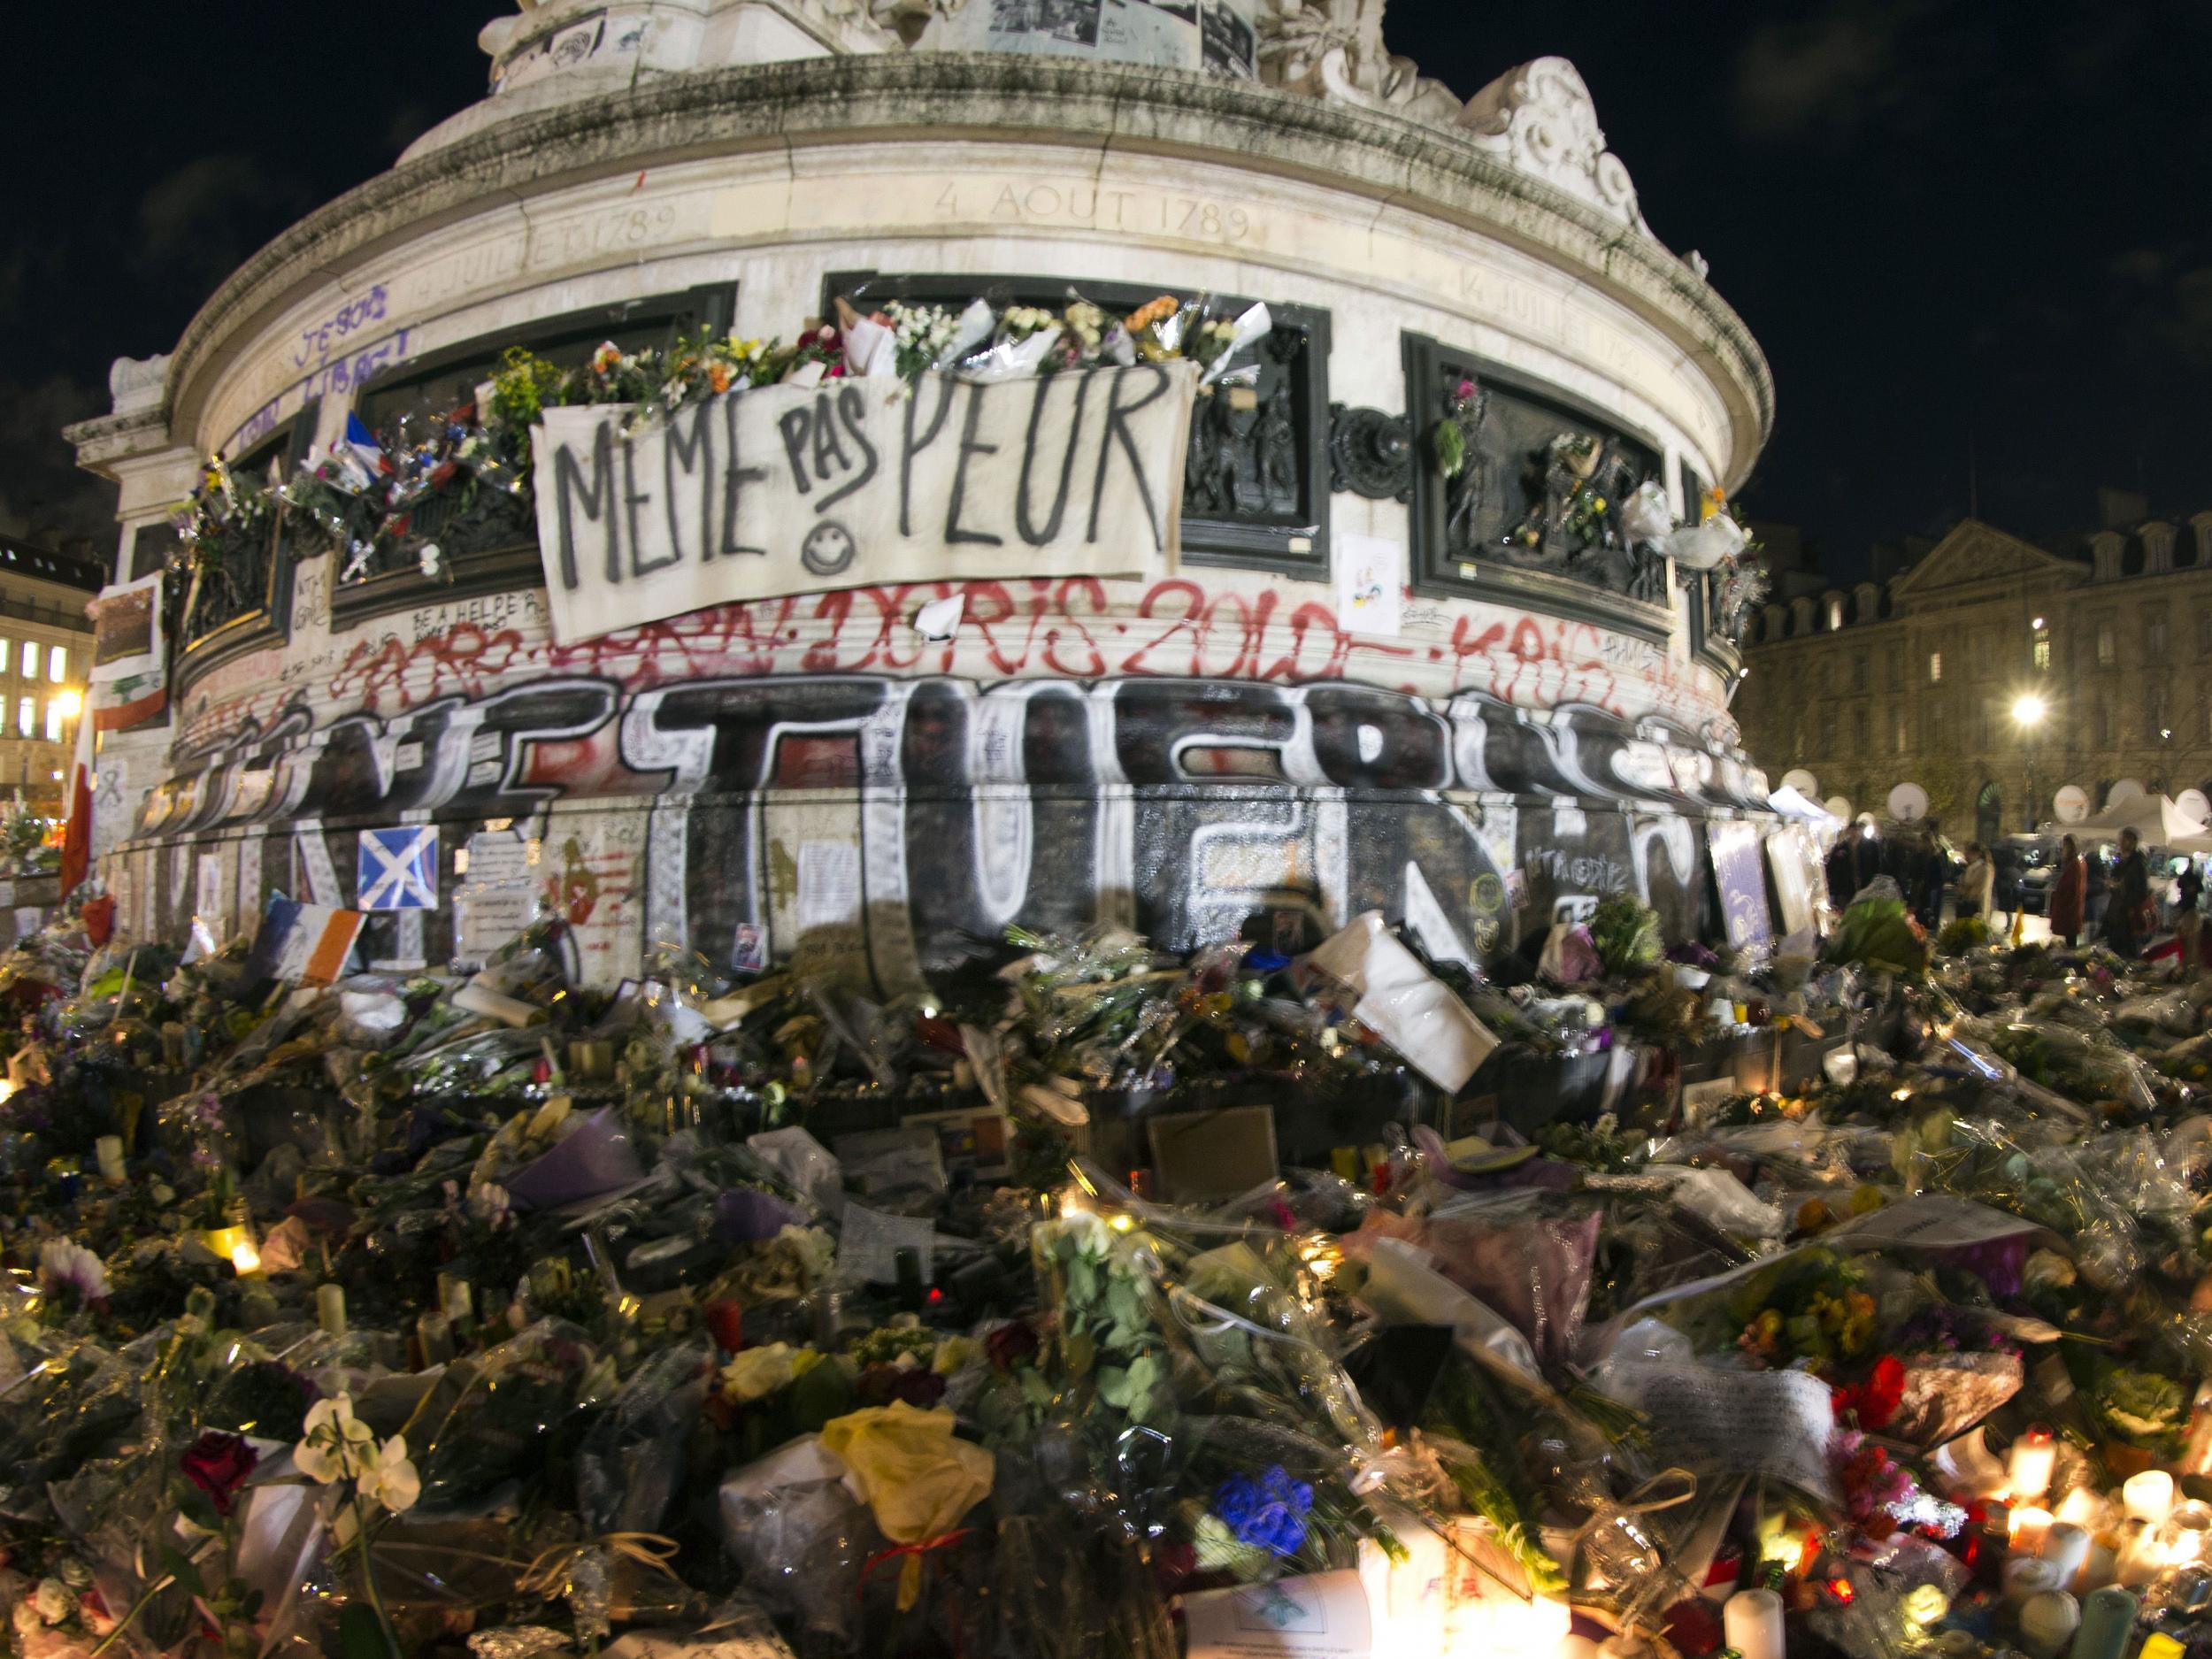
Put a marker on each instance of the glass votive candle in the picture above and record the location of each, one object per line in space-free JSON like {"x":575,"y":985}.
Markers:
{"x":2032,"y":1461}
{"x":2182,"y":1539}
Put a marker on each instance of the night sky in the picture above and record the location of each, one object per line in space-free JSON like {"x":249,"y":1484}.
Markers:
{"x":1956,"y":228}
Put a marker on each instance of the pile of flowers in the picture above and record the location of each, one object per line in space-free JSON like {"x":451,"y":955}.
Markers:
{"x":371,"y":1321}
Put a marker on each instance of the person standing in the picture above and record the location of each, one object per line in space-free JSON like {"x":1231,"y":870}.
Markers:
{"x":2096,"y":889}
{"x":1977,"y":883}
{"x":2125,"y":922}
{"x":2068,"y":893}
{"x":2188,"y":921}
{"x":1934,"y":877}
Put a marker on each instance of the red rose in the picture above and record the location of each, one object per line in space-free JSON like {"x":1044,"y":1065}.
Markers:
{"x":920,"y":1390}
{"x":725,"y":1322}
{"x":217,"y":1464}
{"x":1876,"y":1400}
{"x":1175,"y":1564}
{"x":1011,"y":1344}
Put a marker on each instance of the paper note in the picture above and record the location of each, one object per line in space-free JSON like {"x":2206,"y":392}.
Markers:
{"x":829,"y":884}
{"x":1321,"y":1616}
{"x":1370,"y":584}
{"x":869,"y":1243}
{"x":1405,"y":1005}
{"x":1773,"y":1423}
{"x":207,"y":901}
{"x":1932,"y":1221}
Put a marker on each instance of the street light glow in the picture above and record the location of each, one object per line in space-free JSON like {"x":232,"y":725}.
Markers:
{"x":69,"y":702}
{"x":2028,"y":709}
{"x":2039,"y":625}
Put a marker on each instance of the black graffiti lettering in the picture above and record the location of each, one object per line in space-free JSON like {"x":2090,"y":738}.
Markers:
{"x":793,"y":424}
{"x":1117,"y":415}
{"x":632,"y":498}
{"x":735,"y":477}
{"x":954,"y":534}
{"x":827,"y":448}
{"x":1366,"y":739}
{"x":1023,"y":521}
{"x":695,"y":454}
{"x":569,"y":493}
{"x":852,"y":407}
{"x":909,"y":446}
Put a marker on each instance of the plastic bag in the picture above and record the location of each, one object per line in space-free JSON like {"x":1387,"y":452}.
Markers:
{"x":916,"y":1476}
{"x":631,"y":1460}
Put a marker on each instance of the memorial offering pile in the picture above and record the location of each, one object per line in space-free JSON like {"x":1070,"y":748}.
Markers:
{"x":1116,"y":1306}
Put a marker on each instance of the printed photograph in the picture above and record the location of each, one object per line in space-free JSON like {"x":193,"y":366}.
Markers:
{"x":1072,"y":22}
{"x":1228,"y":43}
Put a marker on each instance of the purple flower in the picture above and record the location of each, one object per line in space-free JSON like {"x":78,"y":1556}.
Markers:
{"x":1269,"y":1513}
{"x":1998,"y":1262}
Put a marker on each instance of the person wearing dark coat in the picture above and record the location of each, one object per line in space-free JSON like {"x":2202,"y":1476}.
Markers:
{"x":2126,"y":923}
{"x":2068,"y":891}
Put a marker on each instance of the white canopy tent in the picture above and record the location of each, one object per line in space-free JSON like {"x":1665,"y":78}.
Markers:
{"x":2154,"y":819}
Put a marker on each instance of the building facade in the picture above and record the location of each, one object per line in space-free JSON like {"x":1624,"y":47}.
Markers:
{"x":45,"y":658}
{"x":1994,"y":673}
{"x":1171,"y":745}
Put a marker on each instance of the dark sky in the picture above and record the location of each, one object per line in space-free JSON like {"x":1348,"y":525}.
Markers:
{"x":1951,"y":223}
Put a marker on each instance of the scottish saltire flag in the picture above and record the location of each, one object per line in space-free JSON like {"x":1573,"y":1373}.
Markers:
{"x":304,"y":944}
{"x":399,"y":868}
{"x":363,"y":442}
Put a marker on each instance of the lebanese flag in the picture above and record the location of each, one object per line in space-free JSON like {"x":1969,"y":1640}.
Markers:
{"x":76,"y":841}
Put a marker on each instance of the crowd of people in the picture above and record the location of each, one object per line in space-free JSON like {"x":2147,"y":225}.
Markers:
{"x":2097,"y":894}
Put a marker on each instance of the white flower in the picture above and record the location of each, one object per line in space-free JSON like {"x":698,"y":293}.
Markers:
{"x":335,"y":1443}
{"x":64,"y":1264}
{"x":53,"y":1600}
{"x":754,"y":1373}
{"x":431,"y":556}
{"x":814,"y":1249}
{"x":391,"y":1481}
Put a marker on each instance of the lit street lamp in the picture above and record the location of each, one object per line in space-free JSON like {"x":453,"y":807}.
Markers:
{"x":2028,"y":710}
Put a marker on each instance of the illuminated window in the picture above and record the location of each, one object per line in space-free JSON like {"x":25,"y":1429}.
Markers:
{"x":57,"y":664}
{"x":1900,"y":734}
{"x":1935,"y":665}
{"x":2042,"y":650}
{"x":30,"y":660}
{"x":53,"y":722}
{"x":26,"y":716}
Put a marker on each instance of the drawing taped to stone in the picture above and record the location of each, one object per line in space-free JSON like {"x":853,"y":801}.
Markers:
{"x":1216,"y":35}
{"x":784,"y":488}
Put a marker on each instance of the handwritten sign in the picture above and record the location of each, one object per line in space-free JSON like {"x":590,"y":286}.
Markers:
{"x":856,"y":482}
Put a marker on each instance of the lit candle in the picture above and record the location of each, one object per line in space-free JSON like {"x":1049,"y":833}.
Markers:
{"x":2183,"y":1536}
{"x":2066,"y":1547}
{"x":1753,"y":1620}
{"x":245,"y":1258}
{"x":109,"y":1148}
{"x":2101,"y":1568}
{"x":2107,"y":1620}
{"x":2139,"y":1557}
{"x":2047,"y":1622}
{"x":2030,"y":1527}
{"x":1574,"y":1646}
{"x":2085,"y":1507}
{"x":2149,"y":1496}
{"x":2033,"y":1460}
{"x":330,"y":1309}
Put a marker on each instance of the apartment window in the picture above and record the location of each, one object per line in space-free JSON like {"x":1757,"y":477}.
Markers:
{"x":1935,"y":666}
{"x":2102,"y":725}
{"x":57,"y":664}
{"x":2108,"y":648}
{"x":1859,"y":744}
{"x":2154,"y":714}
{"x":2041,"y":652}
{"x":53,"y":722}
{"x":2154,"y":639}
{"x":30,"y":660}
{"x":1858,"y":670}
{"x":1898,"y":734}
{"x":26,"y":716}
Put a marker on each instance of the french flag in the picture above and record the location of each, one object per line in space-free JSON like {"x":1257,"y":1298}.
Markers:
{"x":363,"y":442}
{"x":304,"y":944}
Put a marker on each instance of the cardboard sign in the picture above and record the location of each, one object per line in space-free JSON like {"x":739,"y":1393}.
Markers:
{"x":855,"y":483}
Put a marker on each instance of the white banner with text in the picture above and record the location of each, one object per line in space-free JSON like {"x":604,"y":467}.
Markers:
{"x":857,"y":482}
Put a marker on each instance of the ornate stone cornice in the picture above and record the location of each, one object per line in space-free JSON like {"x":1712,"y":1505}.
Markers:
{"x":1447,"y":173}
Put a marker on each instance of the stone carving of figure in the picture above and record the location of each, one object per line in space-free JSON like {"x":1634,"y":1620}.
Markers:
{"x":1333,"y":49}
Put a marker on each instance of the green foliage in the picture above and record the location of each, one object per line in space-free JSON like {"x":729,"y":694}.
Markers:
{"x":1961,"y":934}
{"x":1625,"y":931}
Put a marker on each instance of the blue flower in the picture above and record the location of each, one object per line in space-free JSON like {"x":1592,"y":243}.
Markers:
{"x":1269,"y":1513}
